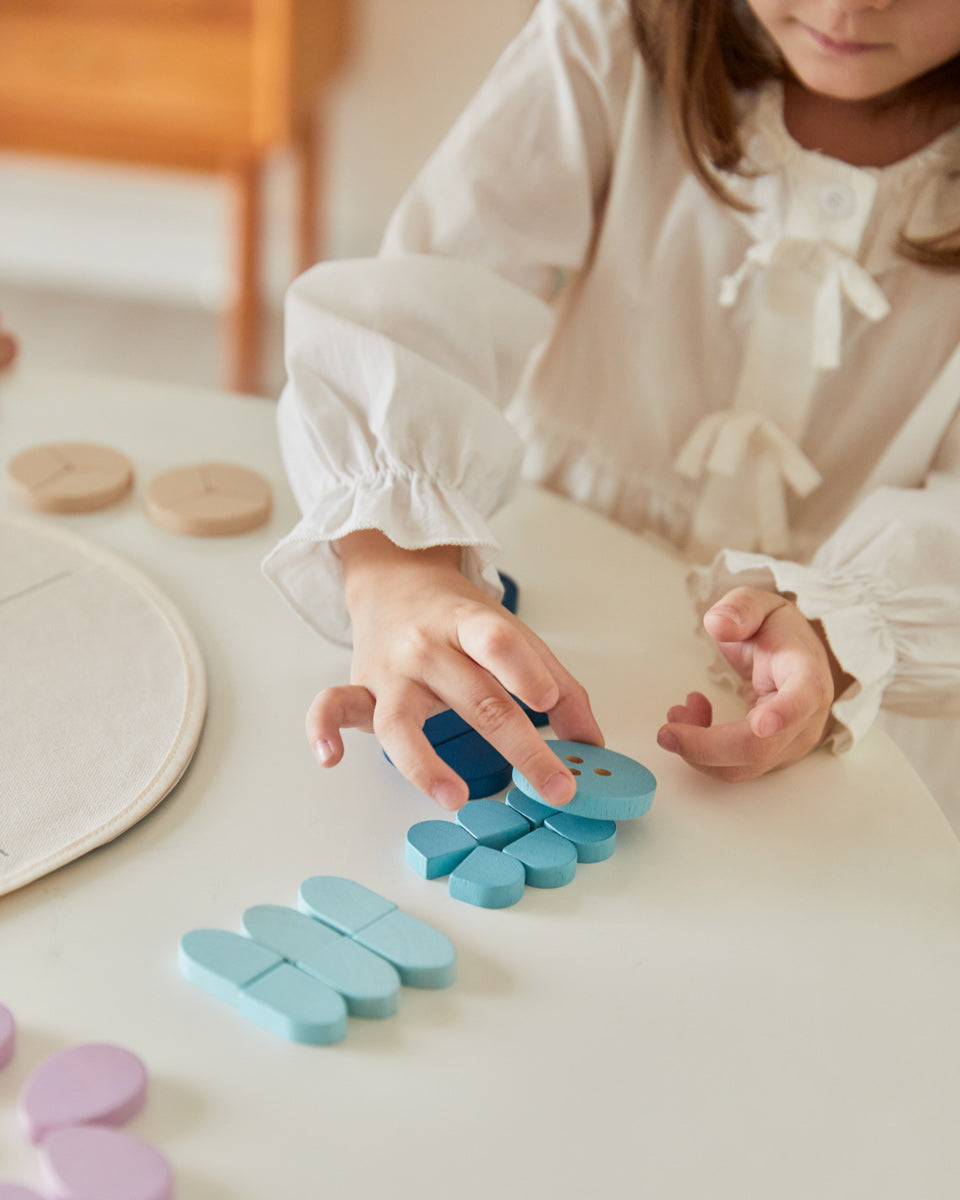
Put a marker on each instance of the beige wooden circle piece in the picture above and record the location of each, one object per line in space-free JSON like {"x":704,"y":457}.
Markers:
{"x":209,"y":500}
{"x":69,"y":477}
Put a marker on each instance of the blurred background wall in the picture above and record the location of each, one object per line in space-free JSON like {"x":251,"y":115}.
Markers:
{"x":127,"y":270}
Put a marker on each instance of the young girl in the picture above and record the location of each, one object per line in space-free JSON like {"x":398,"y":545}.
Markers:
{"x":692,"y":263}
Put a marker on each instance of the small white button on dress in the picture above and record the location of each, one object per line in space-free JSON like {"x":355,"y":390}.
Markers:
{"x":836,"y":200}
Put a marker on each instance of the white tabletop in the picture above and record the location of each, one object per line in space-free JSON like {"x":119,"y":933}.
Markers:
{"x":756,"y":997}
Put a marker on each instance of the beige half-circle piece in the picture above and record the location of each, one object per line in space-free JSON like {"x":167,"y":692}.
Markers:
{"x":102,"y":703}
{"x":209,"y":500}
{"x":69,"y":477}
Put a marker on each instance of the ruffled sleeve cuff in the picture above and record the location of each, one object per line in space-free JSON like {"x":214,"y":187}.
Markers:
{"x":412,"y":510}
{"x":854,"y":625}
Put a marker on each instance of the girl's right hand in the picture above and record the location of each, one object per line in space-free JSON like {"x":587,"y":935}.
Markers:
{"x":426,"y":639}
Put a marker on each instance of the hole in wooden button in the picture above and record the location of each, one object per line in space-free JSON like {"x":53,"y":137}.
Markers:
{"x":574,"y":771}
{"x":601,"y":771}
{"x":574,"y":758}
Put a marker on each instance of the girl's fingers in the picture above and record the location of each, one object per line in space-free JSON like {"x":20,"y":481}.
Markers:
{"x":398,"y":723}
{"x":771,"y":644}
{"x":493,"y":659}
{"x":803,"y":696}
{"x":484,"y":704}
{"x":571,"y":718}
{"x":397,"y":718}
{"x":336,"y":708}
{"x":696,"y":711}
{"x":500,"y":647}
{"x":740,"y":656}
{"x":526,"y":667}
{"x":740,"y":613}
{"x":730,"y":751}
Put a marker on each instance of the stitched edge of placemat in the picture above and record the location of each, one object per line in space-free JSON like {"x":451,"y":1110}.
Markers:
{"x":181,"y":750}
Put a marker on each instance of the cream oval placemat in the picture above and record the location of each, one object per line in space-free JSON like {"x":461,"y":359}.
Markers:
{"x":102,"y":697}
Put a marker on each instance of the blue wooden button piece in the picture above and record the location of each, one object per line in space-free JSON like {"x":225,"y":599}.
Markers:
{"x":548,"y":859}
{"x":594,"y":840}
{"x":610,"y":786}
{"x":435,"y":848}
{"x":492,"y":824}
{"x":488,"y":879}
{"x":263,"y":986}
{"x":535,"y":811}
{"x":368,"y":983}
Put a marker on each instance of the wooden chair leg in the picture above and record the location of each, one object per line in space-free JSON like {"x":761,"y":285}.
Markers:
{"x":307,"y":152}
{"x":245,"y":317}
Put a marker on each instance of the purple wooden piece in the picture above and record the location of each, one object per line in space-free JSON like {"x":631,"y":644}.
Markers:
{"x":93,"y":1163}
{"x":83,"y":1085}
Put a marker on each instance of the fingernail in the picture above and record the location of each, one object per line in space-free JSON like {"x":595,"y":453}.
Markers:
{"x":323,"y":750}
{"x":668,"y":741}
{"x":448,"y":795}
{"x":732,"y":614}
{"x":768,"y":724}
{"x":559,"y":789}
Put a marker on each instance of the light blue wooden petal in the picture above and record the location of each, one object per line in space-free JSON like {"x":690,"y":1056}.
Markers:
{"x":368,"y":984}
{"x":422,"y":955}
{"x":548,"y":859}
{"x":296,"y":1006}
{"x":535,"y":811}
{"x":492,"y":824}
{"x":489,"y":879}
{"x":342,"y":903}
{"x":434,"y":848}
{"x":595,"y":840}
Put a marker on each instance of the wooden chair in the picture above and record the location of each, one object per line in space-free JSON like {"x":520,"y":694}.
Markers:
{"x":206,"y":85}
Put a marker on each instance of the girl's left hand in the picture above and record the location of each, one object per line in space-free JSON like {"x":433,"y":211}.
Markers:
{"x":789,"y":685}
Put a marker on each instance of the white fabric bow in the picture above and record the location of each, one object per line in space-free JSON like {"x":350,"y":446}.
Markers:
{"x":840,"y":275}
{"x":720,"y":442}
{"x":722,"y":445}
{"x":754,"y":511}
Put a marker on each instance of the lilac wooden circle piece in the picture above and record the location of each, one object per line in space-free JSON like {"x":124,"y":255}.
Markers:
{"x":8,"y":1036}
{"x":94,"y":1163}
{"x":16,"y":1191}
{"x":84,"y":1085}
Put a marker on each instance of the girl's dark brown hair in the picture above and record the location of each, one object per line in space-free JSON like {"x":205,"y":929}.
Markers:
{"x":701,"y":53}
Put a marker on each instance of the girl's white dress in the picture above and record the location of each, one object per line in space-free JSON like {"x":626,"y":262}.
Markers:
{"x":776,"y":391}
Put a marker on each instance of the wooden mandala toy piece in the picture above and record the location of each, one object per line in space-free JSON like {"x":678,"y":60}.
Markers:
{"x":209,"y":499}
{"x":69,"y":477}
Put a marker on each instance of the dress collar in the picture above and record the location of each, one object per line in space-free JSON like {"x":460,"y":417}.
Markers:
{"x":769,"y":145}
